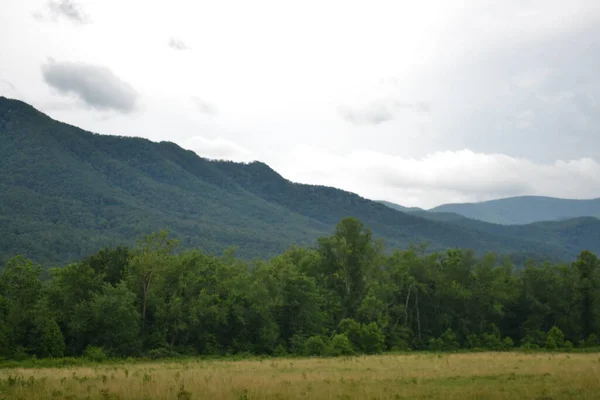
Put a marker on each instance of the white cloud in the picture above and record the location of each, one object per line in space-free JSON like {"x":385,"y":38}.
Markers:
{"x":380,"y":110}
{"x":513,"y":77}
{"x":67,"y":9}
{"x":7,"y":89}
{"x":95,"y":85}
{"x":204,"y":106}
{"x":441,"y":177}
{"x":177,"y":44}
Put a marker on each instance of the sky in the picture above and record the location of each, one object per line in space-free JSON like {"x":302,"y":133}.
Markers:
{"x":417,"y":103}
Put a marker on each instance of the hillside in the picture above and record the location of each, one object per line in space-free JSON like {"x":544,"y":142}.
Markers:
{"x":524,"y":209}
{"x":570,"y":234}
{"x":65,"y":192}
{"x":399,"y":207}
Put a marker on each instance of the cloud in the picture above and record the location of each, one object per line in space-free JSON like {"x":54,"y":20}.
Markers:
{"x":7,"y":89}
{"x":441,"y":177}
{"x":67,"y":9}
{"x":177,"y":44}
{"x":379,"y":111}
{"x":217,"y":149}
{"x":204,"y":106}
{"x":96,"y":86}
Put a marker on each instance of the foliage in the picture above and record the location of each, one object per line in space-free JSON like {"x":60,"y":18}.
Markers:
{"x":65,"y":192}
{"x":346,"y":296}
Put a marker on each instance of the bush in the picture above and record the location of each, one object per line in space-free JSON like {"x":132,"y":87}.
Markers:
{"x":530,"y":346}
{"x":19,"y":354}
{"x":449,"y":340}
{"x":280,"y":351}
{"x":340,"y":345}
{"x":555,"y":338}
{"x":52,"y":342}
{"x":368,"y":338}
{"x":507,"y":343}
{"x":398,"y":339}
{"x":534,"y":339}
{"x":94,"y":353}
{"x":492,"y":341}
{"x":568,"y":345}
{"x":297,"y":343}
{"x":315,"y":346}
{"x":371,"y":338}
{"x":592,"y":340}
{"x":162,"y":352}
{"x":435,"y":344}
{"x":473,"y":341}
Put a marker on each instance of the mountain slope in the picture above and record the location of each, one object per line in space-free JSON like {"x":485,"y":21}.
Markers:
{"x":399,"y":207}
{"x":524,"y":209}
{"x":572,"y":234}
{"x":65,"y":192}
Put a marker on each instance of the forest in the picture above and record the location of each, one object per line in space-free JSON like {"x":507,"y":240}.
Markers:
{"x":66,"y":192}
{"x":345,"y":295}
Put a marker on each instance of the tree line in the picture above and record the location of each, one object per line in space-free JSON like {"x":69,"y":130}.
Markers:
{"x":346,"y":295}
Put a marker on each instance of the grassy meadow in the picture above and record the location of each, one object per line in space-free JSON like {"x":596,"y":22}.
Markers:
{"x":418,"y":376}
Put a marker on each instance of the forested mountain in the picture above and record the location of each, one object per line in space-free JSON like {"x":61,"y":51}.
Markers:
{"x":524,"y":209}
{"x":65,"y":192}
{"x":399,"y":207}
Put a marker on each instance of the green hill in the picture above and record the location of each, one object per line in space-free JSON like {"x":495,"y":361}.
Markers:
{"x":524,"y":209}
{"x":65,"y":192}
{"x":399,"y":207}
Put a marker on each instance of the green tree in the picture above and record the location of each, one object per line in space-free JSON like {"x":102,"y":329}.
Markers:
{"x":110,"y":320}
{"x":150,"y":258}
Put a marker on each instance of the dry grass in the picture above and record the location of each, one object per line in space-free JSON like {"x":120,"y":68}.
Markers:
{"x":457,"y":376}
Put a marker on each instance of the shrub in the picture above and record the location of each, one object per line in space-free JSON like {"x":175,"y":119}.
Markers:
{"x":473,"y":341}
{"x":371,"y":338}
{"x":568,"y":345}
{"x":162,"y":352}
{"x":52,"y":342}
{"x":340,"y":345}
{"x":94,"y":353}
{"x":368,"y":338}
{"x":280,"y":351}
{"x":399,"y":338}
{"x":555,"y":338}
{"x":435,"y":344}
{"x":507,"y":343}
{"x":592,"y":340}
{"x":315,"y":346}
{"x":449,"y":340}
{"x":297,"y":343}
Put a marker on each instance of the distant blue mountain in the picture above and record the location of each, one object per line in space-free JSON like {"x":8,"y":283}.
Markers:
{"x":524,"y":209}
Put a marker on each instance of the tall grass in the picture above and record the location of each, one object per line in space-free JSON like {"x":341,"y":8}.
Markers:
{"x":444,"y":376}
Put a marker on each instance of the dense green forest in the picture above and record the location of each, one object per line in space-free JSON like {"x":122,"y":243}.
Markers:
{"x":66,"y":192}
{"x":345,"y":295}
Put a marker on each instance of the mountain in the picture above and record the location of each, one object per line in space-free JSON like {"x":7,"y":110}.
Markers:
{"x":66,"y":192}
{"x":571,"y":234}
{"x":524,"y":209}
{"x":399,"y":207}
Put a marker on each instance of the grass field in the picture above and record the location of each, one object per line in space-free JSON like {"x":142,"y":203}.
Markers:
{"x":419,"y":376}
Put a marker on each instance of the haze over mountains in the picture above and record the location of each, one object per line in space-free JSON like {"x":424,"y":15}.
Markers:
{"x":65,"y":192}
{"x":516,"y":210}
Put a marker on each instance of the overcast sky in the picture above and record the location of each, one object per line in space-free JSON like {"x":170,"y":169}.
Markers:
{"x":415,"y":102}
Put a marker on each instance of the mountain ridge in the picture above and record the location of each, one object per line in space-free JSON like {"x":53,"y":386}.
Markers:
{"x":521,"y":210}
{"x":66,"y":192}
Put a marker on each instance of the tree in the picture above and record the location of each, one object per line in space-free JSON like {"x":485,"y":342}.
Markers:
{"x":347,"y":261}
{"x":150,"y":258}
{"x":588,"y":266}
{"x":110,"y":320}
{"x":20,"y":291}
